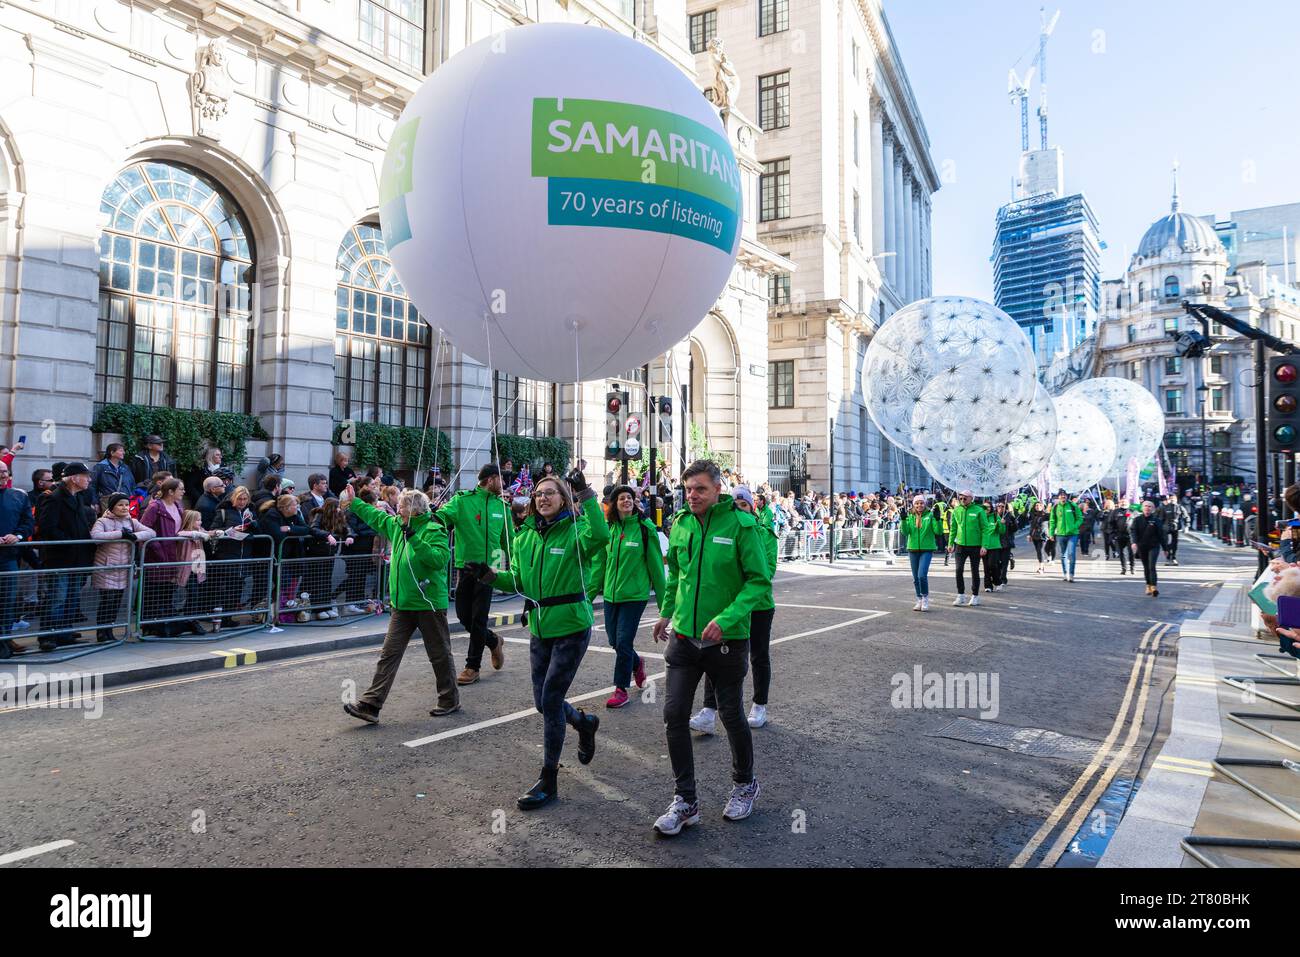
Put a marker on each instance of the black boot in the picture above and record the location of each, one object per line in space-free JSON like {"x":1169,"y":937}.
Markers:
{"x":587,"y":728}
{"x":540,"y":794}
{"x":104,"y":634}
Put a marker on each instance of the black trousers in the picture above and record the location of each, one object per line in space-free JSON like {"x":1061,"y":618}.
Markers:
{"x":1085,"y":541}
{"x":992,"y":567}
{"x":1038,"y":548}
{"x":1171,"y":547}
{"x":1109,"y":541}
{"x":971,"y":553}
{"x":760,"y":658}
{"x":1123,"y":550}
{"x":1149,"y":557}
{"x":726,"y":662}
{"x":473,"y":603}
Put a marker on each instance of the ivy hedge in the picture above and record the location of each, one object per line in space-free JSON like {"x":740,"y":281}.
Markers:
{"x":394,"y":446}
{"x":187,"y":432}
{"x":521,"y":450}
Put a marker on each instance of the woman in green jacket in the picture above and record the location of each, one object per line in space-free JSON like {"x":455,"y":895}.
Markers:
{"x":553,"y":553}
{"x":920,"y":538}
{"x":628,"y":569}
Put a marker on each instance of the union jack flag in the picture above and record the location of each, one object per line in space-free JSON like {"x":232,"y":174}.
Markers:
{"x":816,"y":529}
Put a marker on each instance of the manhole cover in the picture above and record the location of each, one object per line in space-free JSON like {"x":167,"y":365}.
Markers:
{"x":926,"y":641}
{"x":1036,"y":742}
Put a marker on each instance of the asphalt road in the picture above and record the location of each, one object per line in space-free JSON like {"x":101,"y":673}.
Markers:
{"x":259,"y":766}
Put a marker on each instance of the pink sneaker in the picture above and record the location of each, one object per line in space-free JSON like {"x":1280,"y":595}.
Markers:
{"x":638,"y":673}
{"x":618,"y":699}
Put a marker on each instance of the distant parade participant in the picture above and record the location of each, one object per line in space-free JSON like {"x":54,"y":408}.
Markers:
{"x":1147,"y":533}
{"x":992,"y":542}
{"x":921,"y":536}
{"x":940,"y":514}
{"x":1117,"y":522}
{"x":1063,"y":521}
{"x":760,"y":628}
{"x":968,"y":523}
{"x":1087,"y":527}
{"x":553,"y":553}
{"x":1038,"y":532}
{"x":480,"y":523}
{"x":627,"y":570}
{"x":1174,"y":519}
{"x":417,"y":588}
{"x":717,"y":576}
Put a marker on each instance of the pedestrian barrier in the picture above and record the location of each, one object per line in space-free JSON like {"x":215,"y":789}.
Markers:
{"x":789,"y":545}
{"x":181,"y":587}
{"x":311,"y":588}
{"x":815,"y":546}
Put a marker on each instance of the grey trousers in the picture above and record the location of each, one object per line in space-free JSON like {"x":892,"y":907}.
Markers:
{"x":437,"y":644}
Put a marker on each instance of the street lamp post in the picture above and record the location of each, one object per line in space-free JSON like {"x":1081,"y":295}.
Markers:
{"x":1201,"y":391}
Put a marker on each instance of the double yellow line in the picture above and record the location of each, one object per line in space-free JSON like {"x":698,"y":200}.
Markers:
{"x":1139,"y":679}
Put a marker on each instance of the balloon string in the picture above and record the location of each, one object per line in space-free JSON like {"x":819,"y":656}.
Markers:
{"x":419,"y":459}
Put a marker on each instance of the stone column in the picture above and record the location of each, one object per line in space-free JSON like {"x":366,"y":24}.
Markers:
{"x":888,"y":205}
{"x":900,"y":235}
{"x":907,"y":283}
{"x":876,"y":146}
{"x":918,"y":267}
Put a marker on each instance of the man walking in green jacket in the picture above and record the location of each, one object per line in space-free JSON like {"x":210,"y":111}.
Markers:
{"x":480,"y":521}
{"x":1063,"y":523}
{"x":968,"y":524}
{"x":417,"y":584}
{"x":717,"y":576}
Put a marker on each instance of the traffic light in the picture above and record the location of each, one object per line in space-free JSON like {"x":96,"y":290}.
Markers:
{"x":1284,"y":403}
{"x":615,"y":413}
{"x":666,"y":419}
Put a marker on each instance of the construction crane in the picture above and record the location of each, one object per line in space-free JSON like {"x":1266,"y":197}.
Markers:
{"x":1020,"y":91}
{"x":1044,"y":33}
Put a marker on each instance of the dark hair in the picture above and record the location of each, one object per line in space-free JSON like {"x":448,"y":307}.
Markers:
{"x":171,"y":485}
{"x":316,"y":477}
{"x":703,"y":467}
{"x":275,"y":460}
{"x":1292,"y":497}
{"x":271,"y":483}
{"x":487,"y":471}
{"x":618,"y":490}
{"x":36,"y":475}
{"x":113,"y":447}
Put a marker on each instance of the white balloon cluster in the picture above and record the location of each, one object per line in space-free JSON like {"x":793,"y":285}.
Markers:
{"x":1134,"y":413}
{"x":1085,"y":445}
{"x":1011,"y":466}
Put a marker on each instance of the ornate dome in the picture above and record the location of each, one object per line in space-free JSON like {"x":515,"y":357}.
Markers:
{"x":1187,"y":233}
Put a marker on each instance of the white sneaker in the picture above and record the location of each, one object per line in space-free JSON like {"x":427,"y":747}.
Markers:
{"x":332,"y":613}
{"x":917,"y":606}
{"x":974,"y":600}
{"x":322,"y":616}
{"x":679,"y":815}
{"x":757,"y":715}
{"x":925,"y":604}
{"x":741,"y":803}
{"x":354,"y":610}
{"x":705,"y":721}
{"x":959,"y":600}
{"x":304,"y":616}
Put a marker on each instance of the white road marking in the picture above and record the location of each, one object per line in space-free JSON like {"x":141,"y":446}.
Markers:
{"x":517,"y":715}
{"x":39,"y":849}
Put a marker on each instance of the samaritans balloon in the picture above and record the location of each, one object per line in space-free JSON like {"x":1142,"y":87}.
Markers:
{"x":561,"y":201}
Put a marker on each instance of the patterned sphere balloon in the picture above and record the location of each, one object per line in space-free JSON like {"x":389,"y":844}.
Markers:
{"x":1011,"y":466}
{"x":1133,"y":412}
{"x":948,"y":377}
{"x":1085,"y":446}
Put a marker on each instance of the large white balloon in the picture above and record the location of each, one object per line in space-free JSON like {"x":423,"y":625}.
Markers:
{"x":948,"y":377}
{"x":562,"y":201}
{"x":1011,"y":466}
{"x":1134,"y":413}
{"x":1085,"y":446}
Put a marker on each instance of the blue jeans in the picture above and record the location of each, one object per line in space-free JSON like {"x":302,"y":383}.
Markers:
{"x":621,"y":621}
{"x":1066,"y":546}
{"x":921,"y":572}
{"x":554,"y":662}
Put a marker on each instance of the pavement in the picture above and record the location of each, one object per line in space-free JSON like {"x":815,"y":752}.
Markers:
{"x":981,"y":736}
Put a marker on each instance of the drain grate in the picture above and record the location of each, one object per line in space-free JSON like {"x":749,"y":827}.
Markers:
{"x":956,"y":644}
{"x":1036,"y":742}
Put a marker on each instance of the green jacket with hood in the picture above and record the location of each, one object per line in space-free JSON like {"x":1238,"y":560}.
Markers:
{"x":1064,"y":519}
{"x":717,"y":571}
{"x":553,"y":559}
{"x":921,"y":539}
{"x":481,"y":522}
{"x":632,"y":564}
{"x":993,"y":531}
{"x":968,"y":523}
{"x":417,"y":571}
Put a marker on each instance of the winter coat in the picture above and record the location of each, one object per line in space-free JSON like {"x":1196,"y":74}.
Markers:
{"x":1037,"y":526}
{"x":417,"y":574}
{"x":1147,"y":533}
{"x":65,"y":517}
{"x":968,"y":523}
{"x":340,"y":477}
{"x":1117,"y":525}
{"x":143,"y":467}
{"x":920,"y":539}
{"x":115,"y":550}
{"x":15,"y":519}
{"x":632,"y":564}
{"x":1064,"y":518}
{"x":157,"y":518}
{"x":481,"y":527}
{"x":107,"y":478}
{"x":225,"y":518}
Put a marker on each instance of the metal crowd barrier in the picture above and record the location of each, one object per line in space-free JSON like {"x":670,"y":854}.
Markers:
{"x":176,"y":597}
{"x":313,"y":587}
{"x":788,"y":545}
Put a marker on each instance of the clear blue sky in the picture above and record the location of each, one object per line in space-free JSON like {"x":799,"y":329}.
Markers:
{"x":1132,"y":86}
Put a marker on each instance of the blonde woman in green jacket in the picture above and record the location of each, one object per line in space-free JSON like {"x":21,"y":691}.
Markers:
{"x":628,"y":569}
{"x":921,"y":532}
{"x":553,"y":553}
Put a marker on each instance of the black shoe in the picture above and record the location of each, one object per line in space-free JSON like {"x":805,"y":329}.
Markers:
{"x":47,"y":644}
{"x":104,"y":634}
{"x":540,"y":794}
{"x":7,"y":649}
{"x":587,"y":736}
{"x":194,"y":628}
{"x":439,"y":711}
{"x":365,"y":712}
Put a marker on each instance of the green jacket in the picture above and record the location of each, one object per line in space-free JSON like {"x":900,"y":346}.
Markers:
{"x":1064,"y":519}
{"x":940,"y":512}
{"x":767,"y":534}
{"x":469,"y":515}
{"x":417,"y":571}
{"x":920,"y":539}
{"x":553,"y":561}
{"x":716,"y":571}
{"x":968,"y":523}
{"x":993,"y":532}
{"x":632,"y":564}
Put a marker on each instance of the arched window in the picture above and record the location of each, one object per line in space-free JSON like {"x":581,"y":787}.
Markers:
{"x":381,"y":345}
{"x":1142,"y":292}
{"x":1171,"y":287}
{"x":1207,"y":284}
{"x":176,"y":267}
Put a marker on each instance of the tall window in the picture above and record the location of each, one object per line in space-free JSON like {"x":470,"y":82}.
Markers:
{"x":704,"y":27}
{"x":774,"y":191}
{"x":1171,"y":324}
{"x":1171,"y":287}
{"x":857,"y":216}
{"x":780,"y":384}
{"x":381,"y":345}
{"x":856,"y":130}
{"x":778,"y":289}
{"x":393,"y":29}
{"x":1207,"y":284}
{"x":1173,"y":365}
{"x":862,"y":296}
{"x":854,"y":58}
{"x":774,"y":100}
{"x":1219,"y":399}
{"x":1174,"y":401}
{"x":1174,"y":438}
{"x":1216,"y":365}
{"x":1135,"y":370}
{"x":773,"y":16}
{"x":1132,"y":333}
{"x":523,"y":406}
{"x":175,"y":292}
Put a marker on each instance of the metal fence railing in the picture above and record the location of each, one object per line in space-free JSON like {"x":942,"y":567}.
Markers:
{"x":326,"y":587}
{"x":192,"y":581}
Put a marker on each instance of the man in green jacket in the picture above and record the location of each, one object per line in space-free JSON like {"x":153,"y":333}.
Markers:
{"x":480,"y":521}
{"x":717,"y":575}
{"x":417,"y":585}
{"x":968,"y":523}
{"x":1063,"y":523}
